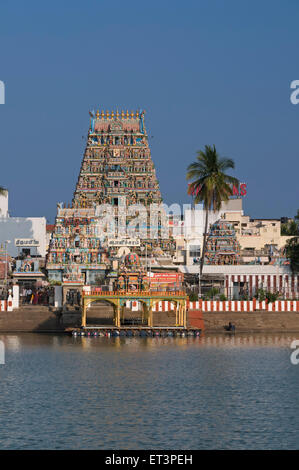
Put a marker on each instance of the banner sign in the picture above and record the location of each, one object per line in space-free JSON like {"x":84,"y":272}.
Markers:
{"x":123,"y":242}
{"x":237,"y":191}
{"x":26,"y":242}
{"x":165,"y":277}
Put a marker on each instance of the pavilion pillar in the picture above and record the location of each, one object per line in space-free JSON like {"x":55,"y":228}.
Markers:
{"x":118,"y":316}
{"x":150,"y":316}
{"x":180,"y":314}
{"x":83,"y":316}
{"x":184,"y":315}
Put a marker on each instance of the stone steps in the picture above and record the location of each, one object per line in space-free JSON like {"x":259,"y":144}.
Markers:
{"x":36,"y":318}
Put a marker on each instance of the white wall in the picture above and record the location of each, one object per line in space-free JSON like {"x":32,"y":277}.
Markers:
{"x":4,"y":205}
{"x":238,"y":269}
{"x":23,"y":227}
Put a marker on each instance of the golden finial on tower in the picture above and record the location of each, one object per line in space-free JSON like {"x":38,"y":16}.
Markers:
{"x":122,"y":114}
{"x":102,"y":114}
{"x":112,"y":115}
{"x":127,"y":114}
{"x":107,"y":115}
{"x":132,"y":114}
{"x":137,"y":114}
{"x":98,"y":114}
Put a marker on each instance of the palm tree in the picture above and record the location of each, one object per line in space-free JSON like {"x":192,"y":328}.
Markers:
{"x":210,"y":185}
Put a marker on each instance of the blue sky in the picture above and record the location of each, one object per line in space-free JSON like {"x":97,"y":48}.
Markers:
{"x":206,"y":72}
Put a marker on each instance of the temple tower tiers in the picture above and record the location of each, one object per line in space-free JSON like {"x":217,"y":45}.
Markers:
{"x":117,"y":162}
{"x":222,"y":244}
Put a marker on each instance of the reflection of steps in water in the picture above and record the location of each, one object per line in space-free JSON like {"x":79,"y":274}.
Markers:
{"x":241,"y":340}
{"x":225,"y":341}
{"x":141,"y":332}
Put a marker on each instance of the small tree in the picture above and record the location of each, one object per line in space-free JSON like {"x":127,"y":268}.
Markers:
{"x":3,"y":191}
{"x":292,"y":252}
{"x":290,"y":228}
{"x":261,"y":295}
{"x":272,"y":296}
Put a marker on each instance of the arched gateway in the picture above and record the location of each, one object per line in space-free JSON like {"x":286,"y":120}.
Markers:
{"x":118,"y":299}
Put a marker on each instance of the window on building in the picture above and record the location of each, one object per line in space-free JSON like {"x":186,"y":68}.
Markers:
{"x":194,"y":251}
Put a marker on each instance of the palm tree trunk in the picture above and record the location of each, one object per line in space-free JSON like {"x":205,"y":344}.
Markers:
{"x":204,"y":243}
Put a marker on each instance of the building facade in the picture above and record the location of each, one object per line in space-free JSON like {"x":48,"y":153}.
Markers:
{"x":25,"y":235}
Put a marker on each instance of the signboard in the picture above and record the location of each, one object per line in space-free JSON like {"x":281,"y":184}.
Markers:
{"x":166,"y":278}
{"x":237,"y":191}
{"x":23,"y":242}
{"x":123,"y":242}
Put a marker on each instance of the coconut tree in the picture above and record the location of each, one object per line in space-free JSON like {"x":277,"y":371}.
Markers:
{"x":210,"y":184}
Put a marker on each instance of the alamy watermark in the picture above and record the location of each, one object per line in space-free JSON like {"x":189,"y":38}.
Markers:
{"x":155,"y":221}
{"x":2,"y":353}
{"x":294,"y":97}
{"x":295,"y":354}
{"x":2,"y":92}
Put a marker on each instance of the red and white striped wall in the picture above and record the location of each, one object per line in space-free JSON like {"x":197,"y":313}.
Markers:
{"x":287,"y":284}
{"x":6,"y":305}
{"x":3,"y":305}
{"x":225,"y":306}
{"x":244,"y":306}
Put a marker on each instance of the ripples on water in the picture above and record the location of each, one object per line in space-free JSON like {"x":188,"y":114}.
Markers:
{"x":216,"y":392}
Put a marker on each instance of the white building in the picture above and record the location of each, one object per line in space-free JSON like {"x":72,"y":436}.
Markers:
{"x":25,"y":234}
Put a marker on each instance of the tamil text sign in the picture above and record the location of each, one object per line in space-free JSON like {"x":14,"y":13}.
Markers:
{"x":26,"y":242}
{"x":123,"y":242}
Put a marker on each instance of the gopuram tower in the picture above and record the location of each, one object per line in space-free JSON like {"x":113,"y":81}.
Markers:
{"x":116,"y":170}
{"x":117,"y":162}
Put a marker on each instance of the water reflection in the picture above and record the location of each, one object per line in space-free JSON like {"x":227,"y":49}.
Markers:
{"x":17,"y":342}
{"x":217,"y":391}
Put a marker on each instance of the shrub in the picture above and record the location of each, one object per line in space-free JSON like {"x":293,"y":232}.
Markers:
{"x":272,"y":296}
{"x":261,"y":295}
{"x":193,"y":297}
{"x":212,"y":293}
{"x":55,"y":283}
